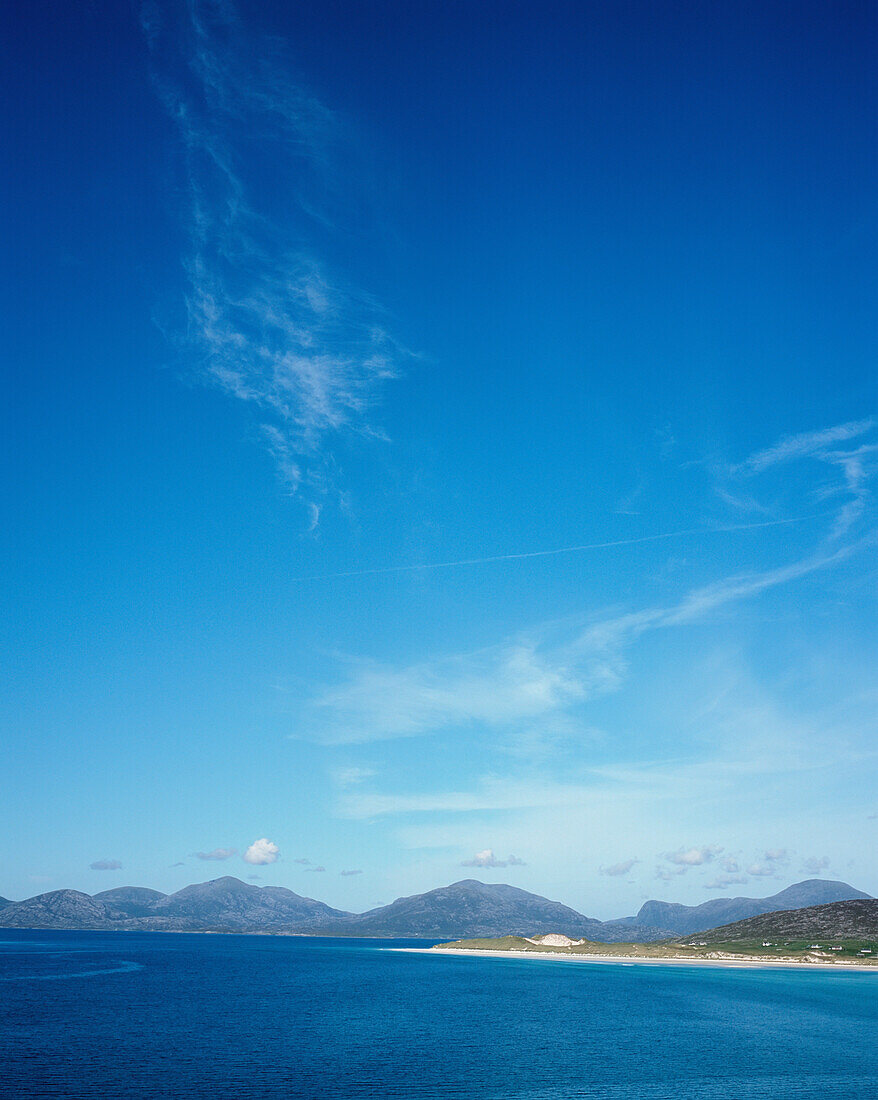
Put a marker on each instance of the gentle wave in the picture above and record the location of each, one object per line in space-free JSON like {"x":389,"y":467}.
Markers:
{"x":124,"y":968}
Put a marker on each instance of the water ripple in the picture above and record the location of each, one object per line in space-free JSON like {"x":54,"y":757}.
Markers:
{"x":123,"y":968}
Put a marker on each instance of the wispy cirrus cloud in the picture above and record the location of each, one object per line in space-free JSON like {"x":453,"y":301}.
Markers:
{"x":857,"y":466}
{"x":489,"y":794}
{"x":596,"y":791}
{"x":494,"y":687}
{"x":804,"y":444}
{"x":351,"y":776}
{"x":270,"y":325}
{"x":527,"y":678}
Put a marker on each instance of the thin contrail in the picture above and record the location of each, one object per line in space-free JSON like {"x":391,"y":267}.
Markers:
{"x":560,"y":550}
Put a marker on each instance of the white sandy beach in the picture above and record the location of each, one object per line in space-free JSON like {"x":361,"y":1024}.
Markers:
{"x":743,"y":963}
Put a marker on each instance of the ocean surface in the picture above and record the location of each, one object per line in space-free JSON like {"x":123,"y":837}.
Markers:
{"x":116,"y":1015}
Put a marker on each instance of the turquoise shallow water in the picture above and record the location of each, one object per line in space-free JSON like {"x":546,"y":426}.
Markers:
{"x":153,"y":1015}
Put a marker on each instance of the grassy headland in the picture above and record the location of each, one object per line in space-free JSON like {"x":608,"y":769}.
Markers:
{"x":844,"y":932}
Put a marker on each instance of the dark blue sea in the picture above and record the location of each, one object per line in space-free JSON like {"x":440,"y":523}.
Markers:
{"x":116,"y":1015}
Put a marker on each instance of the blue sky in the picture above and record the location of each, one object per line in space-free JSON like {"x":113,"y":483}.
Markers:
{"x":441,"y":442}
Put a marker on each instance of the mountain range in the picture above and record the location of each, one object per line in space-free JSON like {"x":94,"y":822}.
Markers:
{"x":482,"y":909}
{"x":684,"y":919}
{"x":464,"y":909}
{"x":839,"y":920}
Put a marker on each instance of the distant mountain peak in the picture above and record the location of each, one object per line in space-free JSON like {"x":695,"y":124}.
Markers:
{"x":118,"y":892}
{"x":224,"y":882}
{"x":687,"y":919}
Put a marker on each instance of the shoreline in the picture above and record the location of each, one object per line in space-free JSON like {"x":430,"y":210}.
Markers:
{"x":743,"y":963}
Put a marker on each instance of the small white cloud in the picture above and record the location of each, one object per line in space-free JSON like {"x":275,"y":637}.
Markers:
{"x":730,"y":865}
{"x":693,"y":857}
{"x":617,"y":869}
{"x":303,"y":861}
{"x":261,"y":852}
{"x":773,"y":860}
{"x":106,"y":865}
{"x":777,"y":855}
{"x":762,"y":870}
{"x":316,"y":869}
{"x":815,"y":866}
{"x":666,"y":874}
{"x":723,"y":882}
{"x":344,"y":874}
{"x":217,"y":853}
{"x":487,"y":858}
